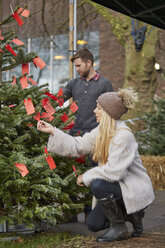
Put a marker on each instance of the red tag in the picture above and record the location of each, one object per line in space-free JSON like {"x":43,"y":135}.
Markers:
{"x":24,"y":82}
{"x":74,"y":170}
{"x":46,"y":150}
{"x":74,"y":107}
{"x":51,"y":96}
{"x":37,"y":117}
{"x":25,"y":68}
{"x":2,"y":51}
{"x":64,"y":117}
{"x":80,"y":160}
{"x":17,"y":18}
{"x":14,"y":81}
{"x":44,"y":115}
{"x":47,"y":116}
{"x":50,"y":162}
{"x":10,"y":49}
{"x":22,"y":169}
{"x":39,"y":62}
{"x":47,"y":106}
{"x":24,"y":13}
{"x":60,"y":92}
{"x":50,"y":118}
{"x":78,"y":133}
{"x":1,"y":37}
{"x":60,"y":101}
{"x":32,"y":81}
{"x":29,"y":125}
{"x":12,"y":105}
{"x":44,"y":101}
{"x":70,"y":126}
{"x":29,"y":106}
{"x":18,"y":42}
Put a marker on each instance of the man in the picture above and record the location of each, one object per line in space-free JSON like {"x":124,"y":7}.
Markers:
{"x":85,"y":90}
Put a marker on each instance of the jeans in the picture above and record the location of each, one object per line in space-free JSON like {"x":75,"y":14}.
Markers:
{"x":100,"y":188}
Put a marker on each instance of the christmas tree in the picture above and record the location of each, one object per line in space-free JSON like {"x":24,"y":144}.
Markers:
{"x":34,"y":186}
{"x":152,"y":139}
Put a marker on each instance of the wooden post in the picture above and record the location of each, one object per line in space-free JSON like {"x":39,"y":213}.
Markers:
{"x":71,"y":45}
{"x":71,"y":28}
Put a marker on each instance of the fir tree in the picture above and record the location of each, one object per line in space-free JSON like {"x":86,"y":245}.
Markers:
{"x":152,"y":139}
{"x":44,"y":194}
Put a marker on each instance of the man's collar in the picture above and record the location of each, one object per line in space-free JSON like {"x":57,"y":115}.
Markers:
{"x":95,"y":77}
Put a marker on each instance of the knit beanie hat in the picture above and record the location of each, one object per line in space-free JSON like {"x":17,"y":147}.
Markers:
{"x":116,"y":104}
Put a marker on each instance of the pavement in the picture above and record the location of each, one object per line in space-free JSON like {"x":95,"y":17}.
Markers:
{"x":153,"y":221}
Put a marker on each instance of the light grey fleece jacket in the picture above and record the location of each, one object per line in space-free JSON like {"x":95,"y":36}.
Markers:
{"x":124,"y":164}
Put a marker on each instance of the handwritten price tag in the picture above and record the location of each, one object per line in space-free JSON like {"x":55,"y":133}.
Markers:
{"x":22,"y":169}
{"x":39,"y":62}
{"x":24,"y":13}
{"x":29,"y":106}
{"x":50,"y":162}
{"x":24,"y":82}
{"x":25,"y":68}
{"x":74,"y":107}
{"x":60,"y":92}
{"x":32,"y":81}
{"x":18,"y":42}
{"x":47,"y":106}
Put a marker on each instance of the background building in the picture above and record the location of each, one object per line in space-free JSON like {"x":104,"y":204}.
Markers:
{"x":47,"y":33}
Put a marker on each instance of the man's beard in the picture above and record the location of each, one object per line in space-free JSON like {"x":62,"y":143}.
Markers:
{"x":86,"y":73}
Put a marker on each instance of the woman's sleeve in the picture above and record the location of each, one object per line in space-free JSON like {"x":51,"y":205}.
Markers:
{"x":121,"y":155}
{"x":65,"y":145}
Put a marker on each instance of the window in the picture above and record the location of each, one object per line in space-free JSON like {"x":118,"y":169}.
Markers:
{"x":54,"y":52}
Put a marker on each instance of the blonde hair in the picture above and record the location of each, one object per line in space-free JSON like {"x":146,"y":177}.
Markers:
{"x":107,"y":129}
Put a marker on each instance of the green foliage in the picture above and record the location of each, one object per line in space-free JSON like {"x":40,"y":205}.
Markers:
{"x":152,"y":141}
{"x":45,"y":240}
{"x":116,"y":23}
{"x":43,"y":194}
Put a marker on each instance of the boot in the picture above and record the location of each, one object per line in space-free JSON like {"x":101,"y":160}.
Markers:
{"x":136,"y":220}
{"x":118,"y":229}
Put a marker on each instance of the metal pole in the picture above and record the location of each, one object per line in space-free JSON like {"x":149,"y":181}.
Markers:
{"x":75,"y":34}
{"x":70,"y":38}
{"x":29,"y":49}
{"x":51,"y":64}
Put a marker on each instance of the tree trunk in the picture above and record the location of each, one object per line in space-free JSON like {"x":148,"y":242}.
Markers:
{"x":139,"y":71}
{"x":139,"y":67}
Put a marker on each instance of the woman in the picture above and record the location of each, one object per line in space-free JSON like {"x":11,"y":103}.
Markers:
{"x":120,"y":185}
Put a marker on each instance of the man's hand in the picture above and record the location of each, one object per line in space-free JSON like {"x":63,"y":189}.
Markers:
{"x":45,"y":127}
{"x":79,"y":181}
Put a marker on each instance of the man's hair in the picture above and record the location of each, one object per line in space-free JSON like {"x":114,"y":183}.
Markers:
{"x":83,"y":54}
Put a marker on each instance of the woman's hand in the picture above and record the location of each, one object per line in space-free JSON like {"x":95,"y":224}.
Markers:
{"x":45,"y":127}
{"x":80,"y":181}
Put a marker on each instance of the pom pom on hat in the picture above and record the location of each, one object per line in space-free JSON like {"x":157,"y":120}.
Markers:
{"x":116,"y":104}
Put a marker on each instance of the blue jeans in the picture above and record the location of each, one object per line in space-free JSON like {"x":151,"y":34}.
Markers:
{"x":96,"y":219}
